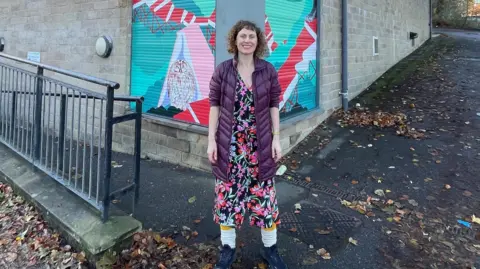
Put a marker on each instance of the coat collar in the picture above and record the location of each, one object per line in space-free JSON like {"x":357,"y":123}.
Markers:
{"x":259,"y":63}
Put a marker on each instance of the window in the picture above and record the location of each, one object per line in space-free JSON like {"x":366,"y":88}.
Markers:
{"x":375,"y":45}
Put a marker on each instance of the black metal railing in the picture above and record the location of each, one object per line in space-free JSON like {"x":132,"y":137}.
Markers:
{"x":66,"y":130}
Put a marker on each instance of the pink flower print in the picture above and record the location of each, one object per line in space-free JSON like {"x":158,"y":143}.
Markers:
{"x":260,"y":223}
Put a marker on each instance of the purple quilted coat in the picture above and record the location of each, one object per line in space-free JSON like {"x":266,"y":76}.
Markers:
{"x":266,"y":92}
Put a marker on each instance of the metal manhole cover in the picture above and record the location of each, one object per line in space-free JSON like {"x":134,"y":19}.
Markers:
{"x":313,"y":220}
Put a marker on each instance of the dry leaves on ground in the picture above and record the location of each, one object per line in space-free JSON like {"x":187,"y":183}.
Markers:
{"x":26,"y":239}
{"x":151,"y":250}
{"x":356,"y":117}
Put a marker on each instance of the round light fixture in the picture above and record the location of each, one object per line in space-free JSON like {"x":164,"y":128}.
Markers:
{"x":104,"y":46}
{"x":2,"y":43}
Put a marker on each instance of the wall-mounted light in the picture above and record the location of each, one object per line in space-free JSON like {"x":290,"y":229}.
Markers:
{"x":2,"y":44}
{"x":104,"y":46}
{"x":413,"y":36}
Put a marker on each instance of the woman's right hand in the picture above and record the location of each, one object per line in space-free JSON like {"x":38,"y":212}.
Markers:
{"x":212,"y":151}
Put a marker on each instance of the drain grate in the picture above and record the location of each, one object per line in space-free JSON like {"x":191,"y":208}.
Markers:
{"x":296,"y":180}
{"x":313,"y":219}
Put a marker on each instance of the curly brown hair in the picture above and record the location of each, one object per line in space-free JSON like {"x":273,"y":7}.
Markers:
{"x":232,"y":38}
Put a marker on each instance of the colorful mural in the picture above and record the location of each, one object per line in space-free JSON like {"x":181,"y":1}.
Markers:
{"x":173,"y":50}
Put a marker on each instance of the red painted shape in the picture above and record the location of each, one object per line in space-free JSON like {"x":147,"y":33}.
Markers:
{"x":201,"y":109}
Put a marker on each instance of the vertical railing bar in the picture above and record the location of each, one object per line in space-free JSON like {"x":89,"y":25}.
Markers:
{"x":62,"y":131}
{"x":99,"y":168}
{"x":38,"y":114}
{"x":91,"y":150}
{"x":14,"y":117}
{"x":1,"y":102}
{"x":54,"y":131}
{"x":108,"y":153}
{"x":9,"y":128}
{"x":137,"y":152}
{"x":9,"y":88}
{"x":71,"y":138}
{"x":31,"y":113}
{"x":85,"y":143}
{"x":48,"y":97}
{"x":44,"y":110}
{"x":25,"y":120}
{"x":19,"y":113}
{"x":78,"y":138}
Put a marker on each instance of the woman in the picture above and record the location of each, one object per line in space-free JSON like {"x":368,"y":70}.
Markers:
{"x":244,"y":143}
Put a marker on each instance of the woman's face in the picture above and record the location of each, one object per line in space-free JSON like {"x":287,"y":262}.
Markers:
{"x":246,"y":41}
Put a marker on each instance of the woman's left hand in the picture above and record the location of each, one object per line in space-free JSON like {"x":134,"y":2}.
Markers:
{"x":276,"y":149}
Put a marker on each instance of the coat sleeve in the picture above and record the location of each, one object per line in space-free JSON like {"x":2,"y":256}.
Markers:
{"x":215,"y":86}
{"x":275,"y":89}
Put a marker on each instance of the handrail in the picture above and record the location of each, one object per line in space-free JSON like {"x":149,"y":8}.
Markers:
{"x":92,"y":79}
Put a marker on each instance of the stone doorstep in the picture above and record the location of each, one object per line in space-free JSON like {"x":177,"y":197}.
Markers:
{"x":69,"y":214}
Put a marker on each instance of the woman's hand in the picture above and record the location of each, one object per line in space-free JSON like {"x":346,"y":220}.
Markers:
{"x":212,"y":151}
{"x":276,"y":149}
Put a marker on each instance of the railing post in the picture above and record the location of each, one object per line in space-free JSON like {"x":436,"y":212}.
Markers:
{"x":61,"y":137}
{"x":12,"y":116}
{"x":38,"y":113}
{"x":137,"y":152}
{"x":108,"y":152}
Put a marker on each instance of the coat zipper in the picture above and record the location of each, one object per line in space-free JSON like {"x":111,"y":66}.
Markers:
{"x":254,"y":89}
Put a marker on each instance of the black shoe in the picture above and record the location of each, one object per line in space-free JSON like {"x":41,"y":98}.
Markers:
{"x":273,"y":258}
{"x":227,"y":257}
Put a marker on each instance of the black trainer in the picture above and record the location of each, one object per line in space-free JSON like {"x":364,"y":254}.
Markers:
{"x":227,"y":257}
{"x":273,"y":258}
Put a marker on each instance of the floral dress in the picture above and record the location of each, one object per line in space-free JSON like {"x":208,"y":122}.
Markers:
{"x":243,"y":191}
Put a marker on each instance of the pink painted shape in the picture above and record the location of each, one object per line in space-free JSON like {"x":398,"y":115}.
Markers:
{"x":201,"y":57}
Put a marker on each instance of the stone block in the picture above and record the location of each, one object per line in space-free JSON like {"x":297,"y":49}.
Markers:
{"x":196,"y":161}
{"x":175,"y":156}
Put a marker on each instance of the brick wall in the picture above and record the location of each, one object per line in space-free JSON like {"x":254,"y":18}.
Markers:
{"x":390,"y":21}
{"x":65,"y":32}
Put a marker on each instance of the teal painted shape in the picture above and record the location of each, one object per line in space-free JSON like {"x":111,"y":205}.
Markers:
{"x":287,"y":18}
{"x":190,"y":5}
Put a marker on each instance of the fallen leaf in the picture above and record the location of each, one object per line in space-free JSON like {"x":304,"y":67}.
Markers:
{"x":428,"y":179}
{"x":390,"y":201}
{"x":197,"y":221}
{"x":354,"y":182}
{"x":322,"y":232}
{"x":447,"y":186}
{"x":413,"y":202}
{"x":438,"y":161}
{"x":262,"y":266}
{"x":419,"y":215}
{"x":308,"y":179}
{"x":353,"y":241}
{"x":397,"y":218}
{"x":467,"y":193}
{"x":192,"y":199}
{"x":379,"y":192}
{"x":475,"y":219}
{"x":293,"y":230}
{"x":11,"y":257}
{"x":324,"y":254}
{"x":309,"y":260}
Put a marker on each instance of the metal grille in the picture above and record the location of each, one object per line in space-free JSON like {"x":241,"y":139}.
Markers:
{"x":312,"y":219}
{"x":65,"y":130}
{"x":297,"y":180}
